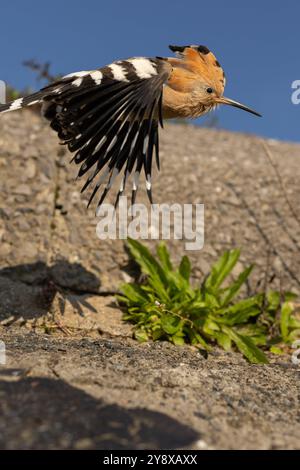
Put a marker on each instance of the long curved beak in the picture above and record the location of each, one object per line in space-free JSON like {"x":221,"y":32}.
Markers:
{"x":236,"y":104}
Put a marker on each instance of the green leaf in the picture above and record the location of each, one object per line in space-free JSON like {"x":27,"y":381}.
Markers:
{"x":246,"y":304}
{"x":223,"y":341}
{"x":293,"y":336}
{"x":294,"y":323}
{"x":234,"y":288}
{"x":141,"y":335}
{"x":240,"y":317}
{"x":255,"y":332}
{"x":211,"y":301}
{"x":178,"y":339}
{"x":210,"y":326}
{"x":157,"y":333}
{"x":164,"y":257}
{"x":242,"y":311}
{"x":286,"y":312}
{"x":133,"y":293}
{"x":196,"y":339}
{"x":289,"y":296}
{"x":185,"y":268}
{"x":276,"y":350}
{"x":222,"y":269}
{"x":273,"y":299}
{"x":144,"y":258}
{"x":246,"y":346}
{"x":170,"y":323}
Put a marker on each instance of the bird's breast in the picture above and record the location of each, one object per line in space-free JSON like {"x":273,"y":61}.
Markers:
{"x":178,"y":104}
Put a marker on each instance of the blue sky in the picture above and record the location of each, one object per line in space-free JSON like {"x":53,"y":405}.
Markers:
{"x":257,"y":45}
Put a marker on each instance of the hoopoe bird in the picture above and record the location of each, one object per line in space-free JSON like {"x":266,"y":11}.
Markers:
{"x":110,"y":117}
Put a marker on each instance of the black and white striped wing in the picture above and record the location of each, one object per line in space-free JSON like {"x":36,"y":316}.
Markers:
{"x":109,"y":118}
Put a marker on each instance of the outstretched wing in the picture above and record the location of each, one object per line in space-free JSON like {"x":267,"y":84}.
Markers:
{"x":109,"y":119}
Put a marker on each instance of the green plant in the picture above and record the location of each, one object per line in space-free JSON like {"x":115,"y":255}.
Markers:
{"x":168,"y":307}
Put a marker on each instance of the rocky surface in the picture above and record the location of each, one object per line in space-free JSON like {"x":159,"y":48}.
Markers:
{"x":74,"y":377}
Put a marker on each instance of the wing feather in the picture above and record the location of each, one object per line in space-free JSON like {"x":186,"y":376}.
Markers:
{"x":109,"y":118}
{"x":113,"y":126}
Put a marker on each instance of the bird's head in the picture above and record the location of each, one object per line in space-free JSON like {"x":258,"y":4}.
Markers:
{"x":211,"y":79}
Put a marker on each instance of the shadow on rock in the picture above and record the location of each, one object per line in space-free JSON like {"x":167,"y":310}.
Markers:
{"x":41,"y":413}
{"x":28,"y":290}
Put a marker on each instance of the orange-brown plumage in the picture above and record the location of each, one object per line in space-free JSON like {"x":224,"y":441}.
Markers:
{"x":200,"y":65}
{"x":195,"y":71}
{"x":195,"y":85}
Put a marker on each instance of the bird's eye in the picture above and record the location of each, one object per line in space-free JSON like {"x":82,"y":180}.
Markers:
{"x":209,"y":90}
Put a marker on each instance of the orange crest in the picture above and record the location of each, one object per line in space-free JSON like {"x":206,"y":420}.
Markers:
{"x":201,"y":61}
